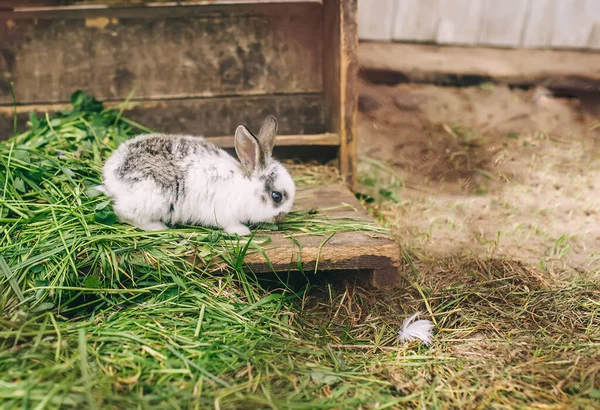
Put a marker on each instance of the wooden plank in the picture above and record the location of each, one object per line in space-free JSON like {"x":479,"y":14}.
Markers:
{"x":448,"y":65}
{"x":375,"y":19}
{"x":10,"y":4}
{"x":508,"y":23}
{"x":574,"y":21}
{"x":502,"y":22}
{"x":221,"y":116}
{"x":459,"y":21}
{"x":378,"y":254}
{"x":275,"y":49}
{"x":340,"y":69}
{"x":594,"y":41}
{"x":416,"y":20}
{"x":325,"y":139}
{"x":62,"y":4}
{"x":186,"y":2}
{"x":209,"y":117}
{"x":174,"y":9}
{"x":540,"y":24}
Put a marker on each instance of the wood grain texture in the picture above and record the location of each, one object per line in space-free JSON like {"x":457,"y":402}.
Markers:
{"x":92,"y":4}
{"x":209,"y":117}
{"x":376,"y":19}
{"x":129,"y":2}
{"x":10,"y":4}
{"x":502,"y":22}
{"x":203,"y":53}
{"x":349,"y":95}
{"x":594,"y":39}
{"x":340,"y":69}
{"x":221,"y":116}
{"x":505,"y":23}
{"x":448,"y":65}
{"x":458,"y":21}
{"x":416,"y":20}
{"x":326,"y":139}
{"x":574,"y":22}
{"x":540,"y":24}
{"x":345,"y":251}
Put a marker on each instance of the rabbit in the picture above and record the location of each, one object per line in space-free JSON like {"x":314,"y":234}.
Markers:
{"x":160,"y":179}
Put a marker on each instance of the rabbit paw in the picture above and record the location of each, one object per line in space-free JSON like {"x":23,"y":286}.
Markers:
{"x":240,"y":229}
{"x":152,"y":226}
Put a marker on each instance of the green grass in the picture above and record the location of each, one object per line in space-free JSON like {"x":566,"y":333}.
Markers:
{"x":95,"y":314}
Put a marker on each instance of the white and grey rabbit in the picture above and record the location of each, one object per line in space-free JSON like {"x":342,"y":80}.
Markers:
{"x":159,"y":179}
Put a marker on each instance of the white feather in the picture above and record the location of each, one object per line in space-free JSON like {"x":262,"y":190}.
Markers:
{"x":411,"y":330}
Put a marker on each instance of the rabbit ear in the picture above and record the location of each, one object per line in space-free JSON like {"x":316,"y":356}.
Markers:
{"x":266,"y":135}
{"x":247,"y":149}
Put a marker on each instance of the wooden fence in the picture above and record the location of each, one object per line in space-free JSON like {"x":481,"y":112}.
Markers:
{"x":504,"y":23}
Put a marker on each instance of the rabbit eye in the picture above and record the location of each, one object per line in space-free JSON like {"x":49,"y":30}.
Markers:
{"x":277,"y":197}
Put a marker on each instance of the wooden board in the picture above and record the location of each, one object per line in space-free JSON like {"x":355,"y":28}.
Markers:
{"x":374,"y":254}
{"x":416,"y":20}
{"x":340,"y":69}
{"x":376,"y":19}
{"x":449,"y":65}
{"x":502,"y":22}
{"x":197,"y":67}
{"x":162,"y":52}
{"x":297,"y":114}
{"x":459,"y":21}
{"x":540,"y":24}
{"x":10,"y":4}
{"x":573,"y":22}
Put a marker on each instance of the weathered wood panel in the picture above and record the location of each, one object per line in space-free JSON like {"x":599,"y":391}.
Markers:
{"x":512,"y":23}
{"x":502,"y":22}
{"x":340,"y":72}
{"x":376,"y":19}
{"x":416,"y":20}
{"x":540,"y":24}
{"x":594,"y":40}
{"x":458,"y":21}
{"x":378,"y":255}
{"x":25,"y":3}
{"x":221,"y":116}
{"x":315,"y":142}
{"x":565,"y":69}
{"x":206,"y":52}
{"x":10,"y":4}
{"x":296,"y":114}
{"x":573,"y":22}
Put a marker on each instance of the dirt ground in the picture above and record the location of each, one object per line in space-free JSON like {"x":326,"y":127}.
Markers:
{"x":484,"y":170}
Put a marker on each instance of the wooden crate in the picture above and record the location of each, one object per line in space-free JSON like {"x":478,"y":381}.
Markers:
{"x":202,"y":67}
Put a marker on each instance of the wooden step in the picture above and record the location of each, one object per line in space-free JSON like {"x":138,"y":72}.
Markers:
{"x":369,"y":253}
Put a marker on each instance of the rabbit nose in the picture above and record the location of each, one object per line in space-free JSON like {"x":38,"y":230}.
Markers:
{"x":280,"y":217}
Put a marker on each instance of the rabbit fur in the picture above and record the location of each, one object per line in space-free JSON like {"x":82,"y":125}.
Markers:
{"x":160,"y":179}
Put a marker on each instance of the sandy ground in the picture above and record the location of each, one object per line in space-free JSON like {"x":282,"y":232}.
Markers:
{"x":485,"y":170}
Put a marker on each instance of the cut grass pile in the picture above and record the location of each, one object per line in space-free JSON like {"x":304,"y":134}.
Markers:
{"x":96,"y":314}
